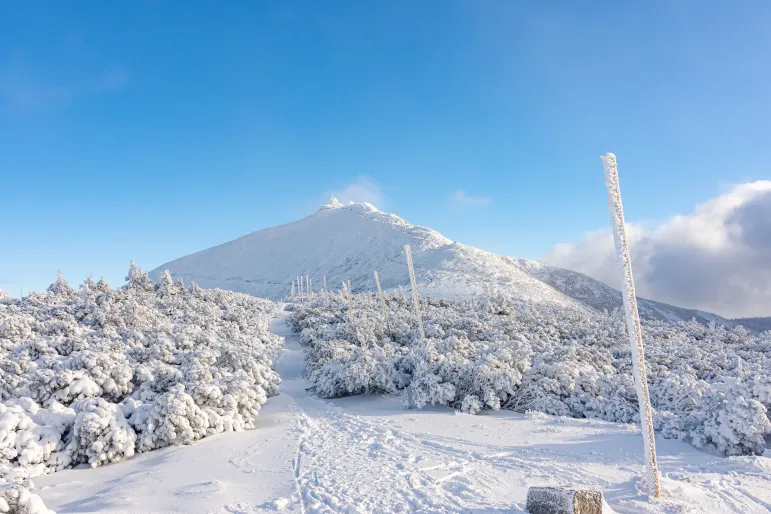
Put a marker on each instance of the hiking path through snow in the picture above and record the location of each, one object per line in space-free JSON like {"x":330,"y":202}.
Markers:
{"x":368,"y":454}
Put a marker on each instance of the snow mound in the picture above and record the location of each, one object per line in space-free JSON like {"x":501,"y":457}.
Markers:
{"x":94,"y":375}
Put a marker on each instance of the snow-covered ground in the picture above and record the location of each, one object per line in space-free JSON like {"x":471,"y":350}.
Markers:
{"x":369,"y":454}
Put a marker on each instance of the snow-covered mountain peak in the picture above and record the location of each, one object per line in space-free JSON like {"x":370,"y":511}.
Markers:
{"x":350,"y":242}
{"x":334,"y":203}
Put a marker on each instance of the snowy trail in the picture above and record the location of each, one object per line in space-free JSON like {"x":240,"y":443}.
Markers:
{"x":369,"y":454}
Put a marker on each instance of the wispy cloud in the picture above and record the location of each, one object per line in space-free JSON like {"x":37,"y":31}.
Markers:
{"x":361,"y":189}
{"x":461,"y":200}
{"x":25,"y":92}
{"x":29,"y":83}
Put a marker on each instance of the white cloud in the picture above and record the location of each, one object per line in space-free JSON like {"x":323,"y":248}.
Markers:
{"x":461,"y":200}
{"x":717,"y":258}
{"x":362,"y":189}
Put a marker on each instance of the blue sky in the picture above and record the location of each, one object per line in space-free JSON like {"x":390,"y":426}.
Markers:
{"x":149,"y":130}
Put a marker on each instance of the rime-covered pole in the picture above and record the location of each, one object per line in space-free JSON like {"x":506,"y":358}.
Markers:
{"x":349,"y":286}
{"x":325,"y":284}
{"x":310,"y":288}
{"x":415,"y":297}
{"x":632,"y":322}
{"x":292,"y":289}
{"x":385,"y":306}
{"x":307,"y":285}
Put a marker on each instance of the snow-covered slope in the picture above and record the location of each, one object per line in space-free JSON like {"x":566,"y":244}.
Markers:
{"x":350,"y":242}
{"x":600,"y":296}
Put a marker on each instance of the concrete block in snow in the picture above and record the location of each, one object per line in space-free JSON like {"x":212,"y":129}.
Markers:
{"x":555,"y":500}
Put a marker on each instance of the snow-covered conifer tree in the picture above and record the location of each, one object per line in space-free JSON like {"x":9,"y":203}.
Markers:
{"x":138,"y":278}
{"x":102,"y":286}
{"x":166,"y":284}
{"x":60,"y":286}
{"x":89,"y":283}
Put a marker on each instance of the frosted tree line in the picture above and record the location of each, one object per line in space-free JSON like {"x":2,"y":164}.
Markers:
{"x":708,"y":385}
{"x":93,"y":375}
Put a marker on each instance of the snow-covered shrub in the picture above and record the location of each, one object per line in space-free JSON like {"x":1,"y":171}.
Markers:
{"x":729,"y":423}
{"x":93,"y":375}
{"x":708,"y":384}
{"x":18,"y":498}
{"x":100,"y":433}
{"x":174,"y":418}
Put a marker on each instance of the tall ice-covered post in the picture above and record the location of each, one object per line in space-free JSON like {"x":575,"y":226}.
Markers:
{"x":632,"y":322}
{"x":415,"y":296}
{"x":383,"y":301}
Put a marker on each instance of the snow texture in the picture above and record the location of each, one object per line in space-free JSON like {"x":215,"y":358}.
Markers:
{"x":94,"y":375}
